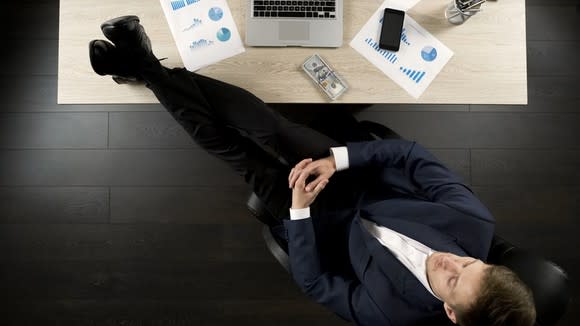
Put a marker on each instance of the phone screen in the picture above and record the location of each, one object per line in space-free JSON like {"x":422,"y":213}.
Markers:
{"x":391,"y":29}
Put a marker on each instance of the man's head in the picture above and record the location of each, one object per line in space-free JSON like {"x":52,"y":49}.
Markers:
{"x":475,"y":293}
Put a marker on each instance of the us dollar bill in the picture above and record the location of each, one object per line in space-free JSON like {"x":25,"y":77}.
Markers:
{"x":326,"y":78}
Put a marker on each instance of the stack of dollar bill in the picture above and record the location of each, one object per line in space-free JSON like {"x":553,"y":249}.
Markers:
{"x":324,"y":77}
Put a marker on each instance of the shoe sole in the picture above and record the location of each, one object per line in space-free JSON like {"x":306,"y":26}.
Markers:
{"x":96,"y":68}
{"x":116,"y":22}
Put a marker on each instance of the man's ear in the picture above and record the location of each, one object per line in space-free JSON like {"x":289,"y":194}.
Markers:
{"x":450,"y":313}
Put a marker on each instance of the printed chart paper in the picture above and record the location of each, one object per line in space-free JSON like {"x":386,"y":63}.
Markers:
{"x":403,"y":5}
{"x":419,"y":59}
{"x":203,"y":30}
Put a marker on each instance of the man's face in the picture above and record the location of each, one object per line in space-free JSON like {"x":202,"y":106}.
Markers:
{"x":456,"y":280}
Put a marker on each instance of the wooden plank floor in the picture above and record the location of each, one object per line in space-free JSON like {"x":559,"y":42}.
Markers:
{"x":111,"y":215}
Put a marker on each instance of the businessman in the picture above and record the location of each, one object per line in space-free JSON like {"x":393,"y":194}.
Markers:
{"x":379,"y":232}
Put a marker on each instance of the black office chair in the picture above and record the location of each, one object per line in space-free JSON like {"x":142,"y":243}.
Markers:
{"x":548,"y":282}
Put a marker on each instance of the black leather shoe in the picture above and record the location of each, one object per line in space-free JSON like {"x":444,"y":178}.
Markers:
{"x":106,"y":60}
{"x":129,"y":36}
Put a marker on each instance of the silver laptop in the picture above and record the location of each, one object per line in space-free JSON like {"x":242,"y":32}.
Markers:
{"x":294,"y":23}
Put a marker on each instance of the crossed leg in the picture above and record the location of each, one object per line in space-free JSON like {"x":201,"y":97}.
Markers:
{"x":237,"y":127}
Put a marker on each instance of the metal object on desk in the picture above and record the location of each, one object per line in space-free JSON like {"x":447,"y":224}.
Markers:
{"x":458,"y":11}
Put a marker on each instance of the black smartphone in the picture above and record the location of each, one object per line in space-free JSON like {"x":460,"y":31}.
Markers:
{"x":391,"y":29}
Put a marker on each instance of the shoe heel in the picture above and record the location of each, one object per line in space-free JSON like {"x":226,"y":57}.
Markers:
{"x":94,"y":59}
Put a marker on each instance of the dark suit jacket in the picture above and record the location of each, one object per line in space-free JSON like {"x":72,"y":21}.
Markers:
{"x":433,"y":207}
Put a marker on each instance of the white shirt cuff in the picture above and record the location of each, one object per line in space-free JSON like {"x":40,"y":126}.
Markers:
{"x":300,"y":213}
{"x":340,"y":155}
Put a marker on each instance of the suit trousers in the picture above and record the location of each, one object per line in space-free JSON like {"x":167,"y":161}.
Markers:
{"x":240,"y":129}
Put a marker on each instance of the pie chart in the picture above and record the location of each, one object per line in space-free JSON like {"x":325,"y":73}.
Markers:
{"x":429,"y":53}
{"x":216,"y":13}
{"x":224,"y":34}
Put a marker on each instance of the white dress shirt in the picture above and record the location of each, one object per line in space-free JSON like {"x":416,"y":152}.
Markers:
{"x":411,"y":253}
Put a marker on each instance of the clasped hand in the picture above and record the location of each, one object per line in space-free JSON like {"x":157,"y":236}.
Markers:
{"x":303,"y":194}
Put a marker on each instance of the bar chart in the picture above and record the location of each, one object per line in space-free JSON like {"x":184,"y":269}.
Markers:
{"x":178,"y":4}
{"x":404,"y":37}
{"x":388,"y":55}
{"x":202,"y":43}
{"x":414,"y":75}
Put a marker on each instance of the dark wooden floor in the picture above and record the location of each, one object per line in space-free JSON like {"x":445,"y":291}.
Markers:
{"x":110,"y":215}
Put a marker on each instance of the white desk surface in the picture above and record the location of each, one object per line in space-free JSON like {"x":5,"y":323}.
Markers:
{"x":489,"y":65}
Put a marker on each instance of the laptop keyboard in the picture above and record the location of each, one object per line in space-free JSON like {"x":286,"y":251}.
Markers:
{"x":301,"y":9}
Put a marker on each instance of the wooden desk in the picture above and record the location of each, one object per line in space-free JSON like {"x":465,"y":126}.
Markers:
{"x":489,"y":65}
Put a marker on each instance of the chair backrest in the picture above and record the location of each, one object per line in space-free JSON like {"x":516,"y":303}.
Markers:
{"x":548,"y":282}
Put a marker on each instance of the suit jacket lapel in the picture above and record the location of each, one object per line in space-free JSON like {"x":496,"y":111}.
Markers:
{"x":425,"y":234}
{"x":402,"y":279}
